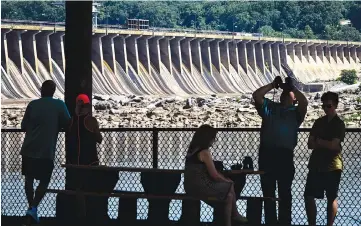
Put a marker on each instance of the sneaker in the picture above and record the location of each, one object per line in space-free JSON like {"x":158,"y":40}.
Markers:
{"x":240,"y":220}
{"x":33,"y":212}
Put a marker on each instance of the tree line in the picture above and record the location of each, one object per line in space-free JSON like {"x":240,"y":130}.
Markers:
{"x":294,"y":19}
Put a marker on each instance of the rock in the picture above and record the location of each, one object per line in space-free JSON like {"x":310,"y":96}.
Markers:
{"x":240,"y":118}
{"x":151,"y":106}
{"x":213,"y":95}
{"x":149,"y":114}
{"x":100,"y":97}
{"x":220,"y":110}
{"x":12,"y":116}
{"x":114,"y":111}
{"x":115,"y":105}
{"x":349,"y":108}
{"x":120,"y":99}
{"x":315,"y":106}
{"x":102,"y":105}
{"x":317,"y":96}
{"x":174,"y":111}
{"x":159,"y":103}
{"x":116,"y":120}
{"x":210,"y":105}
{"x":189,"y":103}
{"x":246,"y":96}
{"x":200,"y":101}
{"x":159,"y":111}
{"x":351,"y":124}
{"x":170,"y":100}
{"x":242,"y":109}
{"x":137,"y":99}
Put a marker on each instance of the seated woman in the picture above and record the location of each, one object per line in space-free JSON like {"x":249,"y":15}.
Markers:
{"x":201,"y":179}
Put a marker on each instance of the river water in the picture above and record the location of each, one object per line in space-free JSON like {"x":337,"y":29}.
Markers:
{"x":134,"y":149}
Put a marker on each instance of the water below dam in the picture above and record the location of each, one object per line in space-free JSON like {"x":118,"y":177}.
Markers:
{"x":134,"y":149}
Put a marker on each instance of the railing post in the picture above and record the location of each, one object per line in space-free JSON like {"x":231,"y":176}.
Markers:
{"x":155,"y":148}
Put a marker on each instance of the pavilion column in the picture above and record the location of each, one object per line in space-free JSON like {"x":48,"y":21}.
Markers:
{"x":78,"y":79}
{"x":78,"y":46}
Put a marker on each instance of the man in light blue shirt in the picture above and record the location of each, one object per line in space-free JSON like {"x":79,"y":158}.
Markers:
{"x":43,"y":120}
{"x":280,"y":123}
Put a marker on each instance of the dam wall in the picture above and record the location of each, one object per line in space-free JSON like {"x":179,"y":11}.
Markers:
{"x":165,"y":63}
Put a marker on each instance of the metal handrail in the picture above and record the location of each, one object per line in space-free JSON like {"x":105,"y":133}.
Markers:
{"x":119,"y":26}
{"x":155,"y":129}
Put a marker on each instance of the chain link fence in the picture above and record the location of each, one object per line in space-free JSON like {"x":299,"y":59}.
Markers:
{"x":166,"y":149}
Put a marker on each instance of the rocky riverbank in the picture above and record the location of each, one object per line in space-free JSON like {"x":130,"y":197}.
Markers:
{"x":219,"y":111}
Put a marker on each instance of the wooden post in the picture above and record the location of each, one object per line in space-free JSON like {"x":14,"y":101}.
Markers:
{"x":78,"y":45}
{"x":254,"y":211}
{"x":78,"y":79}
{"x":78,"y":71}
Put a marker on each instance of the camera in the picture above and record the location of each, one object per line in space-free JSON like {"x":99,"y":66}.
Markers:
{"x":287,"y":86}
{"x":237,"y":166}
{"x":247,"y":163}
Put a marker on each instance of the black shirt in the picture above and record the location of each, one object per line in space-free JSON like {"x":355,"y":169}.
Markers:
{"x":323,"y":159}
{"x":82,"y":143}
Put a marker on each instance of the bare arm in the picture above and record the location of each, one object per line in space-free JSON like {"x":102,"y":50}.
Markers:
{"x":206,"y":157}
{"x":313,"y":134}
{"x":25,"y":120}
{"x":65,"y":117}
{"x":333,"y":145}
{"x":311,"y":142}
{"x":302,"y":102}
{"x":96,"y":130}
{"x":259,"y":94}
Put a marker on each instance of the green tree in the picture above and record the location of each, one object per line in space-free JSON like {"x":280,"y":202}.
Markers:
{"x":349,"y":76}
{"x":309,"y":33}
{"x":348,"y":33}
{"x":269,"y":31}
{"x":296,"y":19}
{"x":354,"y":14}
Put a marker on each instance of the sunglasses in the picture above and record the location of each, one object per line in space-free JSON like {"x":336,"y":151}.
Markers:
{"x":326,"y":106}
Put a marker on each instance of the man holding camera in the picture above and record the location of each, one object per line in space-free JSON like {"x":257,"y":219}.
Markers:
{"x":280,"y":124}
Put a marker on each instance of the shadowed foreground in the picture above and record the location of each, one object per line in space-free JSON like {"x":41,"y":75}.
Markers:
{"x":16,"y":221}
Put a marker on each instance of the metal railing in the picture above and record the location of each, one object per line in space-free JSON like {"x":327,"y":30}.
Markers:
{"x":165,"y":149}
{"x":122,"y":26}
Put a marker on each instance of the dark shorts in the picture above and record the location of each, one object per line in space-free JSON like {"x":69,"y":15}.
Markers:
{"x":320,"y":182}
{"x":40,"y":169}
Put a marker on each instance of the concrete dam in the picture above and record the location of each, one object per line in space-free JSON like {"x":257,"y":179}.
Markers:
{"x":168,"y":63}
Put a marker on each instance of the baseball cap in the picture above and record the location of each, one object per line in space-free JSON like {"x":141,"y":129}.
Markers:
{"x":83,"y":97}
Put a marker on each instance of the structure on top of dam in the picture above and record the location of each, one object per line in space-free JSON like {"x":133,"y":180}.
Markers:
{"x":169,"y":63}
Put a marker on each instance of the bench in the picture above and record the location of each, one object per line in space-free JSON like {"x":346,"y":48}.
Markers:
{"x":153,"y":170}
{"x":190,"y":206}
{"x":159,"y":200}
